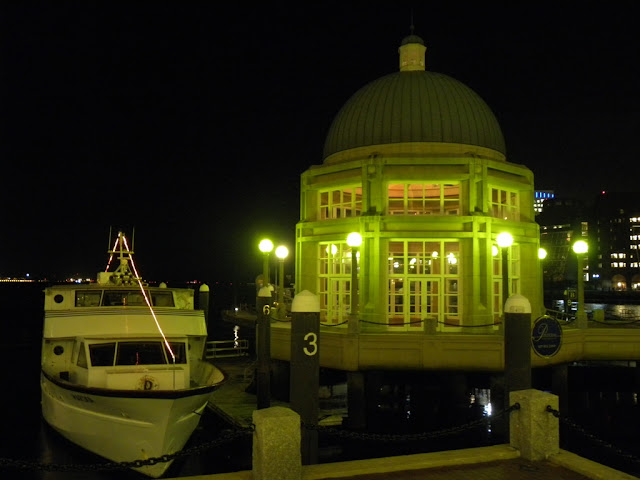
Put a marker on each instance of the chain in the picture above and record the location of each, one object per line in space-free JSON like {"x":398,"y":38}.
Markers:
{"x":573,"y":425}
{"x":225,"y":437}
{"x":332,"y":431}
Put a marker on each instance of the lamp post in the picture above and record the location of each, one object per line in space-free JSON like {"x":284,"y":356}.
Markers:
{"x":281,"y":253}
{"x":505,"y":240}
{"x":542,"y":254}
{"x":354,"y":240}
{"x":266,"y":246}
{"x":580,"y":248}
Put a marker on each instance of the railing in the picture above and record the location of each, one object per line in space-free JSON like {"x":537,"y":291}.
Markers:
{"x":560,"y":315}
{"x":227,"y":348}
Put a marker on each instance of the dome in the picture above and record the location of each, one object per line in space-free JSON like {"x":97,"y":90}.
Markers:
{"x":414,"y":105}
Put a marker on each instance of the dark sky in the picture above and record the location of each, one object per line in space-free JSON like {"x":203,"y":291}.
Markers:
{"x":192,"y":121}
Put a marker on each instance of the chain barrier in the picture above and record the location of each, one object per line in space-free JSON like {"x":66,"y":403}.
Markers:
{"x":413,"y":322}
{"x":590,"y":436}
{"x":225,"y":437}
{"x":351,"y":435}
{"x":334,"y":324}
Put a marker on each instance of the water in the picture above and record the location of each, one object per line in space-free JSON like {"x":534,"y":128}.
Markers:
{"x":407,"y":404}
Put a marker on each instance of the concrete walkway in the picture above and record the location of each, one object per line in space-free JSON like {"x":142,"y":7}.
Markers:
{"x":499,"y":462}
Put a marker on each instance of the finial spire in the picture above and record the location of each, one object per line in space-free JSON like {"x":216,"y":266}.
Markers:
{"x":412,"y":27}
{"x":412,"y":51}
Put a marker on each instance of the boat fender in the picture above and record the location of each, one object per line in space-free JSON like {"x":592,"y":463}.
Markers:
{"x":147,"y":383}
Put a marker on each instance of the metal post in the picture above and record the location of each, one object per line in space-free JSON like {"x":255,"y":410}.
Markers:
{"x":505,"y":275}
{"x":305,"y":370}
{"x":203,"y":302}
{"x":265,"y":269}
{"x":581,"y":315}
{"x":263,"y":341}
{"x":353,"y":317}
{"x":281,"y":309}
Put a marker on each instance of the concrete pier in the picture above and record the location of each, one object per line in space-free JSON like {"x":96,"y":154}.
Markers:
{"x":533,"y":451}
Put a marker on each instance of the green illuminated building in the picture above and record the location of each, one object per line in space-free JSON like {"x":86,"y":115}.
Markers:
{"x":416,"y":163}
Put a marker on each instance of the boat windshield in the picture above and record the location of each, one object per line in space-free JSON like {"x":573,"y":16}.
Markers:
{"x":136,"y":353}
{"x":132,"y":298}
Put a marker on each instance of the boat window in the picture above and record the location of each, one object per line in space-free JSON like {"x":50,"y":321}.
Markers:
{"x":140,"y":353}
{"x":88,"y":298}
{"x":102,"y":354}
{"x":162,"y":299}
{"x":179,"y":351}
{"x":131,"y":298}
{"x":82,"y":357}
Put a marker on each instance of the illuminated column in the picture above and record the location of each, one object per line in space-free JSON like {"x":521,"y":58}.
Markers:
{"x":266,"y":246}
{"x":281,"y":253}
{"x":354,"y":240}
{"x":580,"y":248}
{"x":505,"y":240}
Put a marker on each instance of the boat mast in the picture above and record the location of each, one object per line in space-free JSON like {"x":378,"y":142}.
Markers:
{"x":123,"y":275}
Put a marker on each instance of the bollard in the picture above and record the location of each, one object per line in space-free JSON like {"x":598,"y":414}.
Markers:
{"x":305,"y":370}
{"x":263,"y":341}
{"x":517,"y":343}
{"x":534,"y":430}
{"x":203,"y":302}
{"x":276,"y":444}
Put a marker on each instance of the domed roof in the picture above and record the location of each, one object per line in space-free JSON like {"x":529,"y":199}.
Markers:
{"x":414,"y":105}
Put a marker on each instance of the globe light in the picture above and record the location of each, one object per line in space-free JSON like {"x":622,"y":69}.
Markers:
{"x":542,"y":253}
{"x":504,"y":240}
{"x":580,"y":247}
{"x":282,"y":252}
{"x":265,"y":245}
{"x":354,"y":239}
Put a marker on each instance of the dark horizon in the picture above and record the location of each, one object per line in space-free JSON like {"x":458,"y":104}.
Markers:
{"x":192,"y":123}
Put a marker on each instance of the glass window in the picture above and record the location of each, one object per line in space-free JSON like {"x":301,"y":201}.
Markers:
{"x":334,"y":288}
{"x":343,"y":203}
{"x":162,"y":299}
{"x":423,"y":283}
{"x":504,"y":204}
{"x":88,"y":298}
{"x":140,"y":353}
{"x":102,"y":354}
{"x":423,"y":199}
{"x":513,"y":255}
{"x":179,"y":351}
{"x":129,"y":298}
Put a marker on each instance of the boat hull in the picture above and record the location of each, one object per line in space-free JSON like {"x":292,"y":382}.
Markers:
{"x":124,"y":426}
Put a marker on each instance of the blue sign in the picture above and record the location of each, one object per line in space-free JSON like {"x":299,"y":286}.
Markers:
{"x":546,"y":336}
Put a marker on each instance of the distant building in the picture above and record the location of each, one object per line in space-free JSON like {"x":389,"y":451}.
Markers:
{"x":563,"y":221}
{"x":615,"y":238}
{"x":540,"y":197}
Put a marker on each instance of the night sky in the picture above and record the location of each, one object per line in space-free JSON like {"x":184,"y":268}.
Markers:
{"x":192,"y":121}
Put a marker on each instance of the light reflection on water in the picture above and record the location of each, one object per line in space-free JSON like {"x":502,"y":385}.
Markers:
{"x":615,"y":311}
{"x":621,"y":311}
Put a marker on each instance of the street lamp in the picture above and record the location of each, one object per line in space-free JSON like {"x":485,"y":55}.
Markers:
{"x":580,"y":248}
{"x":354,"y":240}
{"x":542,"y":254}
{"x":505,"y":240}
{"x":281,"y":253}
{"x":266,"y":246}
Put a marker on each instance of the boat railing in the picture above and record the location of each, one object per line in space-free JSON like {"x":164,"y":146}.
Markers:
{"x":227,"y":348}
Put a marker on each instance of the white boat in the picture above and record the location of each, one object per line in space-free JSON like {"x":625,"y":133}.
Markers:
{"x":123,"y":368}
